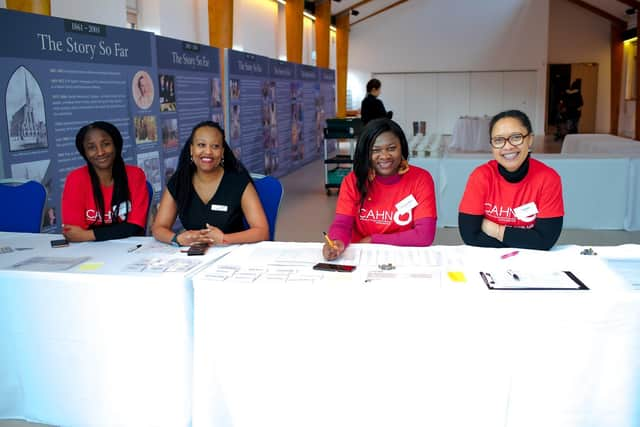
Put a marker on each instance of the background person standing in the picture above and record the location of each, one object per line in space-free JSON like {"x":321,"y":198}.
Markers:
{"x":371,"y":107}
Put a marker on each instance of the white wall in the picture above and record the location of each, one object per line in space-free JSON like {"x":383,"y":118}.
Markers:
{"x":577,"y":35}
{"x":169,"y":18}
{"x":112,"y":12}
{"x":453,"y":35}
{"x":255,"y":26}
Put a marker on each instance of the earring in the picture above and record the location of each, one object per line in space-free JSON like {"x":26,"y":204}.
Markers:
{"x":372,"y":174}
{"x":404,"y":167}
{"x":191,"y":159}
{"x":222,"y":162}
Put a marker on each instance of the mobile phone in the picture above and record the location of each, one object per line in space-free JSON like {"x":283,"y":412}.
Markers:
{"x":325,"y":266}
{"x":197,"y":249}
{"x":59,"y":243}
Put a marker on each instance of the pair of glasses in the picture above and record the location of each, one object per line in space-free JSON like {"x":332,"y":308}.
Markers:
{"x":515,"y":140}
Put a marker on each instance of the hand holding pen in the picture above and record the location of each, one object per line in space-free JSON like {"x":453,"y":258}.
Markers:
{"x":332,"y":249}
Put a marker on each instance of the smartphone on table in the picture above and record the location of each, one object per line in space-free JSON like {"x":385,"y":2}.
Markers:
{"x":197,"y":249}
{"x":59,"y":243}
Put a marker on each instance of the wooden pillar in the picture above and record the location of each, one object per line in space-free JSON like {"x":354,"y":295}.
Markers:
{"x":617,"y":53}
{"x":221,"y":23}
{"x":323,"y":21}
{"x":42,"y":7}
{"x":342,"y":61}
{"x":294,"y":20}
{"x":637,"y":121}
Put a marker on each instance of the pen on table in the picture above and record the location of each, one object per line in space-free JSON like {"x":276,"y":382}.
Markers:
{"x":134,"y":248}
{"x":329,"y":241}
{"x":493,"y":282}
{"x":509,"y":254}
{"x":514,"y":275}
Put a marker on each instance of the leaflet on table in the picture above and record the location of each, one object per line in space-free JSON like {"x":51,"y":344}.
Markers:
{"x":376,"y":255}
{"x":532,"y":280}
{"x":271,"y":273}
{"x":421,"y":276}
{"x":48,"y":264}
{"x":299,"y":256}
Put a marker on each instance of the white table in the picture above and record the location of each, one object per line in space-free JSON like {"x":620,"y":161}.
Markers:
{"x":94,"y":345}
{"x":470,"y":134}
{"x":599,"y":192}
{"x":600,"y":144}
{"x":341,"y":352}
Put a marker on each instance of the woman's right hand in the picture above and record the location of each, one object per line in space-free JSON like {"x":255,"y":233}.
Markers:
{"x":191,"y":237}
{"x":330,"y":253}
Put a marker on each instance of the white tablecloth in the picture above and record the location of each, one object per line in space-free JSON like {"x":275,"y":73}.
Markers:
{"x":470,"y":134}
{"x":599,"y":192}
{"x":339,"y":351}
{"x":600,"y":144}
{"x":95,"y":346}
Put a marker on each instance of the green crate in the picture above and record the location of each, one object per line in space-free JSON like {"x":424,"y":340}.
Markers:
{"x":335,"y":176}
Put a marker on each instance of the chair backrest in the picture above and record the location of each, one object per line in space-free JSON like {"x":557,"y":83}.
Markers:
{"x":22,"y":205}
{"x":270,"y":192}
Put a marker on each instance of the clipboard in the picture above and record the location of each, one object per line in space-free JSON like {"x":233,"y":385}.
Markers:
{"x":554,"y":281}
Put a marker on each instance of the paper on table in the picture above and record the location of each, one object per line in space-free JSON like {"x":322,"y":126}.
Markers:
{"x":49,"y":263}
{"x":530,"y":280}
{"x":400,"y":256}
{"x":628,"y":268}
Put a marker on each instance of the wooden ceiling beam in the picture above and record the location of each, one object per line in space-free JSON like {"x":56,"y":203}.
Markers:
{"x":384,"y":9}
{"x":633,"y":3}
{"x":600,"y":12}
{"x":353,"y":6}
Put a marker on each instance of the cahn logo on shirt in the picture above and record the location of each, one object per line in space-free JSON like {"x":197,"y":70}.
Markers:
{"x":93,"y":215}
{"x":403,"y":214}
{"x":524,"y":213}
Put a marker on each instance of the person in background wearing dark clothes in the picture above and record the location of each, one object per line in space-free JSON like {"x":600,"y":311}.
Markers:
{"x":514,"y":200}
{"x":371,"y":107}
{"x":573,"y":104}
{"x":105,"y":199}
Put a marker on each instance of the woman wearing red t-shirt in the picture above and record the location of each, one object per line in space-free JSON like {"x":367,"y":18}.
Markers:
{"x":514,"y":200}
{"x":105,"y":199}
{"x":383,"y":200}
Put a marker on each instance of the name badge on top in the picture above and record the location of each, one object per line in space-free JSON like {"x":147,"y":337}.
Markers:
{"x":526,"y":212}
{"x":220,"y":208}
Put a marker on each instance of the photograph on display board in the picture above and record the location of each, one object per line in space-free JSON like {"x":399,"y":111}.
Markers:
{"x":150,"y":163}
{"x":167,"y":94}
{"x":26,"y":119}
{"x":235,"y":121}
{"x":170,"y":133}
{"x":297,"y":144}
{"x":319,"y":119}
{"x":50,"y":218}
{"x":234,"y":89}
{"x":170,"y":166}
{"x":37,"y":170}
{"x":269,"y":127}
{"x":146,"y":130}
{"x":142,"y":89}
{"x":216,"y":93}
{"x":218,"y":118}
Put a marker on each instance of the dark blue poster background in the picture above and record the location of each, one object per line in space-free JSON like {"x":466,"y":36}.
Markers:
{"x":308,"y":100}
{"x":189,"y":92}
{"x":61,"y":75}
{"x":250,"y":97}
{"x":282,"y":74}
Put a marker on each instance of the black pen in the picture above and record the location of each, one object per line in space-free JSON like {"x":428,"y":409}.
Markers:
{"x":514,"y":275}
{"x":134,"y":248}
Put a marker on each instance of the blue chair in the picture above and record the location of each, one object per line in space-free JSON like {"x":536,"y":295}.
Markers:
{"x":270,"y":192}
{"x":150,"y":191}
{"x":23,"y":205}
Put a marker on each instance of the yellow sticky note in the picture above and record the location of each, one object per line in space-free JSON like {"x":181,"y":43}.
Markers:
{"x":90,"y":266}
{"x":457,"y":276}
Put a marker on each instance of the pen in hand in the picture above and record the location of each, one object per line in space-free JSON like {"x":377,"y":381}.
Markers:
{"x":329,"y":241}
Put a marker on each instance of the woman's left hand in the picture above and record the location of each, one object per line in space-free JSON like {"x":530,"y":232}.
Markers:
{"x":75,"y":233}
{"x":215,"y":234}
{"x":493,"y":229}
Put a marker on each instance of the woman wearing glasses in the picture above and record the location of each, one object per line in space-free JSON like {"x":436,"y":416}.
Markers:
{"x":514,"y":200}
